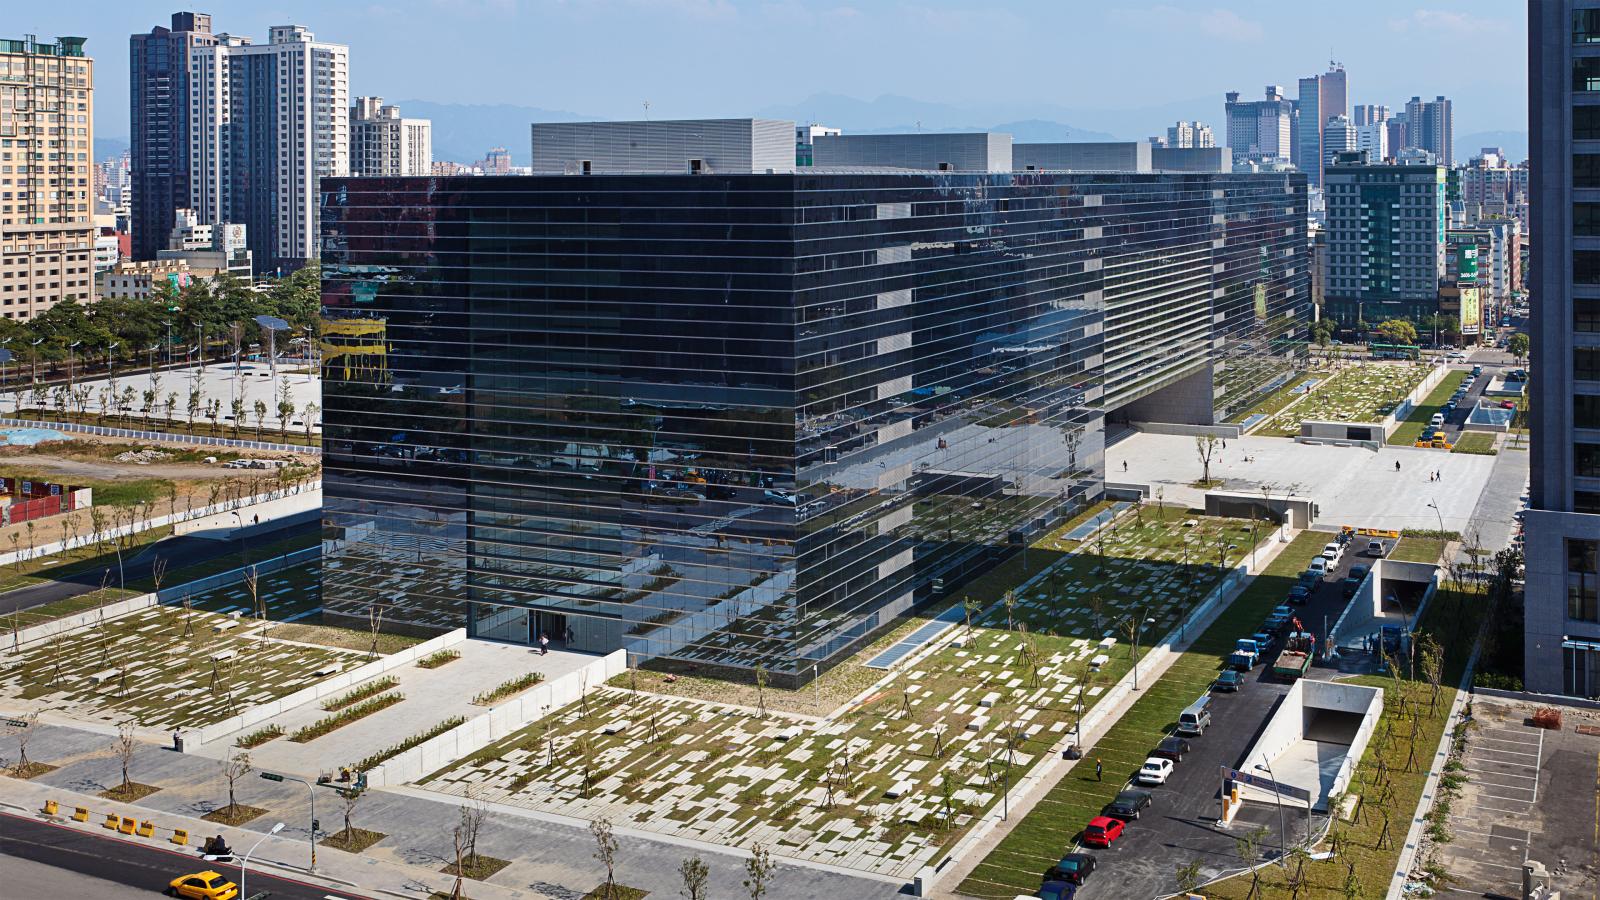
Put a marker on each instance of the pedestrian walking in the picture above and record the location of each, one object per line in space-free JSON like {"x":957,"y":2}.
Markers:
{"x":1124,"y":465}
{"x":1097,"y":769}
{"x":544,"y":643}
{"x":1397,"y":465}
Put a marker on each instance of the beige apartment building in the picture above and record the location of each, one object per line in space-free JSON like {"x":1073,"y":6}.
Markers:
{"x":46,"y":201}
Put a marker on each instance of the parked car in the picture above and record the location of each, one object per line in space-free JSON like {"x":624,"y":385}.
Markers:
{"x":1154,"y":771}
{"x":1102,"y":831}
{"x":1299,"y":595}
{"x":1129,"y":805}
{"x":1375,"y":548}
{"x":1333,"y":551}
{"x":1057,"y":890}
{"x":1073,"y":868}
{"x":1172,"y":748}
{"x":1228,"y":682}
{"x":1319,"y":567}
{"x":1352,"y":582}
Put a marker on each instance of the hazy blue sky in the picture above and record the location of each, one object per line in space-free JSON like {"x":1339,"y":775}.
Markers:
{"x":726,"y":57}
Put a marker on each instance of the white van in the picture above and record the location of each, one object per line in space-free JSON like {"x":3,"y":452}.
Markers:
{"x":1196,"y":718}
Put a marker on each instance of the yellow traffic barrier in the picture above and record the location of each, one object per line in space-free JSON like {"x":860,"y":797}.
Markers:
{"x":80,"y":814}
{"x":147,"y":829}
{"x":112,"y":821}
{"x":128,"y":825}
{"x":180,"y":836}
{"x":50,"y":808}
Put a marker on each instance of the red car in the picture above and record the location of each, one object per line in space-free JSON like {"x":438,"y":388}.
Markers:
{"x":1103,"y":831}
{"x":1508,"y":404}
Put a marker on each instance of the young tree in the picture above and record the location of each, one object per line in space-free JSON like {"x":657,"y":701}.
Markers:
{"x":310,"y":413}
{"x":213,"y":413}
{"x":193,"y":406}
{"x":24,"y":733}
{"x":352,"y":795}
{"x":260,"y":409}
{"x":1206,"y":447}
{"x":236,"y":410}
{"x":605,"y":851}
{"x":696,"y":876}
{"x":123,"y":748}
{"x":761,"y":688}
{"x":760,"y":868}
{"x":234,"y":767}
{"x":1189,"y":876}
{"x":473,"y":814}
{"x":1010,"y":601}
{"x":170,"y":406}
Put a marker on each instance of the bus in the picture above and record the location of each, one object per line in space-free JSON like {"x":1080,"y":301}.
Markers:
{"x":1396,"y":351}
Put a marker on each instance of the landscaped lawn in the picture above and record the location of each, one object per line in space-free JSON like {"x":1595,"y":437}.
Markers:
{"x":1283,"y":396}
{"x":1413,"y":548}
{"x":1480,"y":443}
{"x":1363,"y":392}
{"x":929,"y":749}
{"x":159,"y":670}
{"x":1016,"y":865}
{"x":1407,"y":432}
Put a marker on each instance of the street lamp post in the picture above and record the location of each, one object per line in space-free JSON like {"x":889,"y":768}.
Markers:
{"x":274,"y":776}
{"x":1434,"y":505}
{"x":246,"y":863}
{"x":1265,"y":766}
{"x":1138,"y":630}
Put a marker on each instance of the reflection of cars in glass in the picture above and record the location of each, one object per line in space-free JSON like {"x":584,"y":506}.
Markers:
{"x":780,"y":495}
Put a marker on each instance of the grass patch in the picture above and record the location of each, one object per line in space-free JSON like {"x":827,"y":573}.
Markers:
{"x":1361,"y":393}
{"x":1479,"y":443}
{"x":361,"y":692}
{"x":311,"y":631}
{"x":438,"y":658}
{"x":477,"y":867}
{"x":1413,"y":548}
{"x":1407,"y":432}
{"x":1017,"y":863}
{"x":237,"y":814}
{"x":354,"y":840}
{"x":259,"y":736}
{"x":330,"y":723}
{"x":383,"y":756}
{"x":507,"y":689}
{"x":132,"y":792}
{"x":32,"y":770}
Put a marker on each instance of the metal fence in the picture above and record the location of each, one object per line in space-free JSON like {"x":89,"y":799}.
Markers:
{"x":174,"y":437}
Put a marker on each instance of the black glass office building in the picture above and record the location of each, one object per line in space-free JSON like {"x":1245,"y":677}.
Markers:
{"x":728,"y":421}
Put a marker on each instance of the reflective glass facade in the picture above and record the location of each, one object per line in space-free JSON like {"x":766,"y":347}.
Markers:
{"x":723,"y":420}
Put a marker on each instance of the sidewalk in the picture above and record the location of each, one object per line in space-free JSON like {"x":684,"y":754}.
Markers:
{"x":1043,"y":778}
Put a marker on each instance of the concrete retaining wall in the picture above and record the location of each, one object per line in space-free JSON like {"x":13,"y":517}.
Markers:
{"x":170,"y":594}
{"x":479,"y":732}
{"x":1287,"y":728}
{"x":256,"y":715}
{"x":1226,"y":432}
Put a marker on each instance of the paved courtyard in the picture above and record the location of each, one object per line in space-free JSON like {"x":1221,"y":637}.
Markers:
{"x":1352,"y":485}
{"x":252,"y":382}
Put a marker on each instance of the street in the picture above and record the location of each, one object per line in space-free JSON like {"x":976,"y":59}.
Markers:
{"x":79,"y":856}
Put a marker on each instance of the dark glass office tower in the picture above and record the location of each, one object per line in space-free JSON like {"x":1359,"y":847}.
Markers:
{"x":719,"y":420}
{"x":162,"y":127}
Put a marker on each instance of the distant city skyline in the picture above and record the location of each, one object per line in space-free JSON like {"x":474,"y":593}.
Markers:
{"x":607,"y":58}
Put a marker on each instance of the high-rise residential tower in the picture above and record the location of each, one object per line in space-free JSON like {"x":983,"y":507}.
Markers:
{"x":1562,"y":598}
{"x":161,"y":102}
{"x":1386,"y":239}
{"x":1429,"y":127}
{"x":238,"y":132}
{"x":47,"y":232}
{"x":1187,"y":135}
{"x":1368,"y":114}
{"x":1338,"y":136}
{"x":383,"y":143}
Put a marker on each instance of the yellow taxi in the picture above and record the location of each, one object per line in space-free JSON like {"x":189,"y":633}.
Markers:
{"x":203,"y":886}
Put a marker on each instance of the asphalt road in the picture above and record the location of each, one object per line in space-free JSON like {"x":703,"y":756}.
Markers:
{"x":79,"y":855}
{"x":177,"y":551}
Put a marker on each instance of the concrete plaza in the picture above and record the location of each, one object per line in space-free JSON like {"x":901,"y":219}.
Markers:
{"x":1351,"y":485}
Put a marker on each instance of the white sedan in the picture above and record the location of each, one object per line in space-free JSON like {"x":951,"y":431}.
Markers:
{"x":1154,"y":771}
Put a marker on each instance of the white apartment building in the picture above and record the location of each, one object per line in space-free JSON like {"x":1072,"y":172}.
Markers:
{"x":383,"y":143}
{"x":270,"y":121}
{"x":1373,"y":137}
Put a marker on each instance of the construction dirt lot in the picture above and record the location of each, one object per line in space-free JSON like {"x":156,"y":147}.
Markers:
{"x":1530,"y":794}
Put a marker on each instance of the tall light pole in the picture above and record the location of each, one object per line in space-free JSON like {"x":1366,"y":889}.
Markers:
{"x":246,"y":863}
{"x":1433,"y":505}
{"x":200,"y":343}
{"x":1282,"y":833}
{"x":1138,"y":629}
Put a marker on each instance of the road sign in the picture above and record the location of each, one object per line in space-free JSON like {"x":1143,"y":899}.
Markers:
{"x":272,"y":776}
{"x":1267,"y":784}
